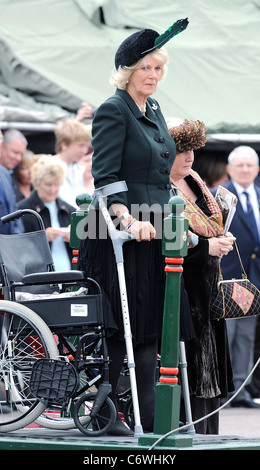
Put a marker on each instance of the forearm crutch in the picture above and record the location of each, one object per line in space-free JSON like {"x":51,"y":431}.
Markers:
{"x":118,"y":238}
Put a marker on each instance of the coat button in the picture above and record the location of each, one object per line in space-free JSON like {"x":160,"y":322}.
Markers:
{"x":165,"y":171}
{"x":253,"y":256}
{"x":165,"y":154}
{"x":160,"y":139}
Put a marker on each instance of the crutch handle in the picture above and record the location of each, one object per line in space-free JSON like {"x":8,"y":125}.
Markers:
{"x":112,"y":188}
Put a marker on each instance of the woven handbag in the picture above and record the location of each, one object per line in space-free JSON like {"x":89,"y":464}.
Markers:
{"x":236,"y":298}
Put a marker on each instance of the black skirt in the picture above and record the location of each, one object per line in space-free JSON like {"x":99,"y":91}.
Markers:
{"x":145,"y":281}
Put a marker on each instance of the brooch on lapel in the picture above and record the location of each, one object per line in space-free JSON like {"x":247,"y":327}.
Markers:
{"x":154,"y":107}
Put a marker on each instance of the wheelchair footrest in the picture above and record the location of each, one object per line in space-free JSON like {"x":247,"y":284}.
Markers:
{"x":53,"y":382}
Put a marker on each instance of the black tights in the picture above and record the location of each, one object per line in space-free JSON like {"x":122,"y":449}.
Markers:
{"x":145,"y":356}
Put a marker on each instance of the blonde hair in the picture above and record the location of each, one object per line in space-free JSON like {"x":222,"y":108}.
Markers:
{"x":119,"y":78}
{"x":70,"y":131}
{"x":28,"y":158}
{"x":47,"y":167}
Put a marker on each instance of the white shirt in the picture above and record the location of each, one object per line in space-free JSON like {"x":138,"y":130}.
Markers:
{"x":73,"y":184}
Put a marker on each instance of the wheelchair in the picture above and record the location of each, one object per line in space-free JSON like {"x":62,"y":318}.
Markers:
{"x":53,"y":353}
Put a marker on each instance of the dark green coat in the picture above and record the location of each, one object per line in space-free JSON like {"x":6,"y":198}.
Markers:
{"x":135,"y":148}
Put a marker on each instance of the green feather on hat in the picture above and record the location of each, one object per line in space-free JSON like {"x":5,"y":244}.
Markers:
{"x":138,"y":44}
{"x":175,"y":29}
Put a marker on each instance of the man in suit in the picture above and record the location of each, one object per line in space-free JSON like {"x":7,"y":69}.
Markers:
{"x":13,"y":146}
{"x":243,"y":167}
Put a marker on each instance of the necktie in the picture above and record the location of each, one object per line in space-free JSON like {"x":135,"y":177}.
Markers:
{"x":251,"y":218}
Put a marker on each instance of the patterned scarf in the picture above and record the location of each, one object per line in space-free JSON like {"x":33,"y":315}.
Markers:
{"x":201,"y":224}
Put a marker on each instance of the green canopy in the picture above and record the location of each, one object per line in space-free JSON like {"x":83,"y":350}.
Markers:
{"x":54,"y":54}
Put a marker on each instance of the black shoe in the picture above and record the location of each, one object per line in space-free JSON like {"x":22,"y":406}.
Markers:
{"x":245,"y":404}
{"x":120,"y":429}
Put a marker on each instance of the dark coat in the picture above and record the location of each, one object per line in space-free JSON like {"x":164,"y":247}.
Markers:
{"x":7,"y":188}
{"x":138,"y":149}
{"x":242,"y":230}
{"x":34,"y":202}
{"x":135,"y":148}
{"x":209,"y":366}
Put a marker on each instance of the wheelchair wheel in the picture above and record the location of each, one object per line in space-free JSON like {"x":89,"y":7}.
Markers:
{"x":25,"y":337}
{"x":98,"y":425}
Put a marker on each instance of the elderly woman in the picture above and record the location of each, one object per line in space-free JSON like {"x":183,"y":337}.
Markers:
{"x":47,"y":177}
{"x":210,"y":375}
{"x":131,"y":142}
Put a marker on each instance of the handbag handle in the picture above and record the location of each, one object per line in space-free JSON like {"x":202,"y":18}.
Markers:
{"x":244,"y":275}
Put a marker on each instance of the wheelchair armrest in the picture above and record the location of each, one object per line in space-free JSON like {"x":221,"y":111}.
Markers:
{"x":54,"y":277}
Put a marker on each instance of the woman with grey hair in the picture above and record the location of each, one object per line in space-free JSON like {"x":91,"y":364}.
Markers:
{"x":47,"y":177}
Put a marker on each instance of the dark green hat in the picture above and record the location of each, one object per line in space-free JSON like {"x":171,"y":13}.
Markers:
{"x":141,"y":43}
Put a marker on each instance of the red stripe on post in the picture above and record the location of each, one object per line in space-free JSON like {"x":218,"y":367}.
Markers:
{"x":168,"y":380}
{"x":169,"y":370}
{"x":173,"y":269}
{"x":174,"y":260}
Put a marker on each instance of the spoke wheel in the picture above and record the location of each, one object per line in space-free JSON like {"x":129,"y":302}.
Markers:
{"x":25,"y":337}
{"x":103,"y":421}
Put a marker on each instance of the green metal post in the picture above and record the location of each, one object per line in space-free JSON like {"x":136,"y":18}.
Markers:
{"x":167,"y":396}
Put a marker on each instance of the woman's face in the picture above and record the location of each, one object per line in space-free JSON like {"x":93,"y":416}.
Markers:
{"x":24,"y":174}
{"x":144,"y":80}
{"x":182,"y":165}
{"x":48,"y":189}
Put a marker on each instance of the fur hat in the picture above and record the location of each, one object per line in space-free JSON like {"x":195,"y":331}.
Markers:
{"x":190,"y":135}
{"x":139,"y":44}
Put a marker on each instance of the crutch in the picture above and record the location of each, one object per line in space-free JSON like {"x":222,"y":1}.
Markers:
{"x":185,"y":386}
{"x":118,"y":238}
